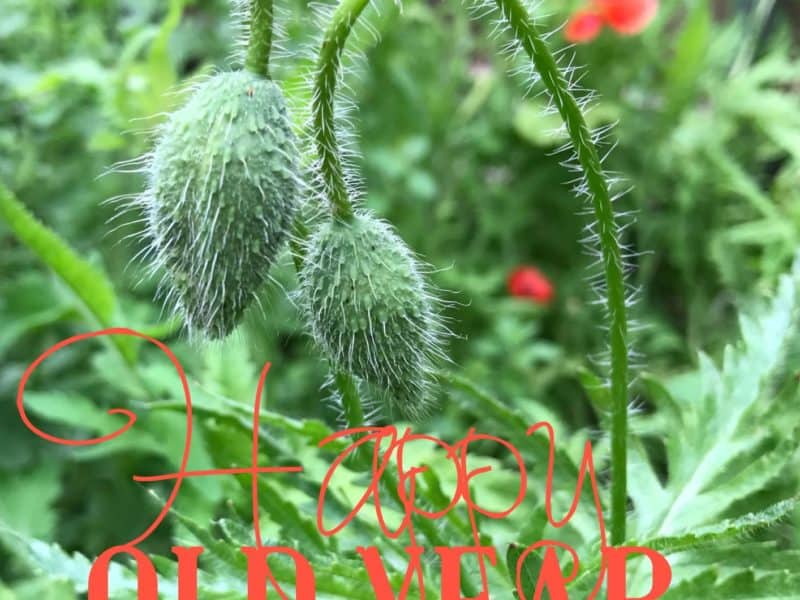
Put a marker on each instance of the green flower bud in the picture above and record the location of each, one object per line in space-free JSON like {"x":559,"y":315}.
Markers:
{"x":223,"y":193}
{"x":369,"y":309}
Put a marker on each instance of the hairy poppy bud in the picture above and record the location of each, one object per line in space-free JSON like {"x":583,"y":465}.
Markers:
{"x":223,"y":192}
{"x":369,"y":309}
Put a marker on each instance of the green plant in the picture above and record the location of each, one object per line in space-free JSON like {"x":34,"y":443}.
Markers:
{"x":593,"y":185}
{"x":369,"y":310}
{"x":222,"y":198}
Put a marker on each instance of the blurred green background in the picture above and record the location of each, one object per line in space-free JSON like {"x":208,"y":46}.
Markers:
{"x":453,"y":152}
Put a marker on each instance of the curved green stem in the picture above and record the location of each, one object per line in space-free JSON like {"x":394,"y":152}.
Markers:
{"x":260,"y":44}
{"x":325,"y":80}
{"x":328,"y":64}
{"x":528,"y":36}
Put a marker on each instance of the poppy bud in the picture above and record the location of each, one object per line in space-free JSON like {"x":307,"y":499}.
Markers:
{"x":223,"y":192}
{"x":369,"y":309}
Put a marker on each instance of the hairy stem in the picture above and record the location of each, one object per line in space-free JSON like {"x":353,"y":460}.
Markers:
{"x":327,"y":75}
{"x":260,"y":43}
{"x":353,"y":417}
{"x":325,"y":80}
{"x":353,"y":412}
{"x":527,"y":34}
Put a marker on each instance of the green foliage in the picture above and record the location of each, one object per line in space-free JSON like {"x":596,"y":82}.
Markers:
{"x":730,"y":421}
{"x":88,"y":283}
{"x":726,"y":441}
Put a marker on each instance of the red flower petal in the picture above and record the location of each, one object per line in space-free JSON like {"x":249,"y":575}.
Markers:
{"x":583,"y":26}
{"x":529,"y":282}
{"x":627,"y":17}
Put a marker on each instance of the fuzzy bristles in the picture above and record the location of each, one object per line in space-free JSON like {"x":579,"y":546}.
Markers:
{"x":370,"y":311}
{"x":222,"y":196}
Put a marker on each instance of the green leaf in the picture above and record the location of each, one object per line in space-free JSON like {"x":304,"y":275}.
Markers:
{"x":28,"y":303}
{"x":764,"y":556}
{"x":729,"y":529}
{"x":690,"y":55}
{"x":336,"y":577}
{"x":52,"y":562}
{"x":42,"y":589}
{"x":744,"y":585}
{"x":206,"y":403}
{"x":595,"y":388}
{"x":715,"y":417}
{"x":229,"y":370}
{"x":530,"y":569}
{"x":84,"y":415}
{"x":27,"y":497}
{"x":88,"y":283}
{"x":295,"y":525}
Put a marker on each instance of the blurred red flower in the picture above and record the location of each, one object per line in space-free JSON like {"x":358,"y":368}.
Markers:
{"x":529,"y":282}
{"x":583,"y":26}
{"x":626,"y":17}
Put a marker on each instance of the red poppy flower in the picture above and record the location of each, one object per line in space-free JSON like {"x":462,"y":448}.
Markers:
{"x":583,"y":26}
{"x":529,"y":282}
{"x":626,"y":17}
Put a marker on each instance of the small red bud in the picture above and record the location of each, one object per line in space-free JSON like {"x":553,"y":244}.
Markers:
{"x":529,"y":282}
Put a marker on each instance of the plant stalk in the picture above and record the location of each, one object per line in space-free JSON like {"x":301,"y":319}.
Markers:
{"x":325,"y":80}
{"x":531,"y":40}
{"x":353,"y":412}
{"x":259,"y":46}
{"x":361,"y":459}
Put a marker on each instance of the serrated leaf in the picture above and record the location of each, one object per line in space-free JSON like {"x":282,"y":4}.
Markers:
{"x":41,"y":588}
{"x":726,"y":530}
{"x":763,"y":556}
{"x":27,"y":496}
{"x":51,"y":561}
{"x":595,"y":388}
{"x":88,"y":283}
{"x":294,"y":525}
{"x":717,"y":418}
{"x":745,"y":585}
{"x":335,"y":577}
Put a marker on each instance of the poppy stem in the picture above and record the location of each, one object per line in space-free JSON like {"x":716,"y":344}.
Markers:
{"x":530,"y":39}
{"x":325,"y":80}
{"x":353,"y":415}
{"x":259,"y":46}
